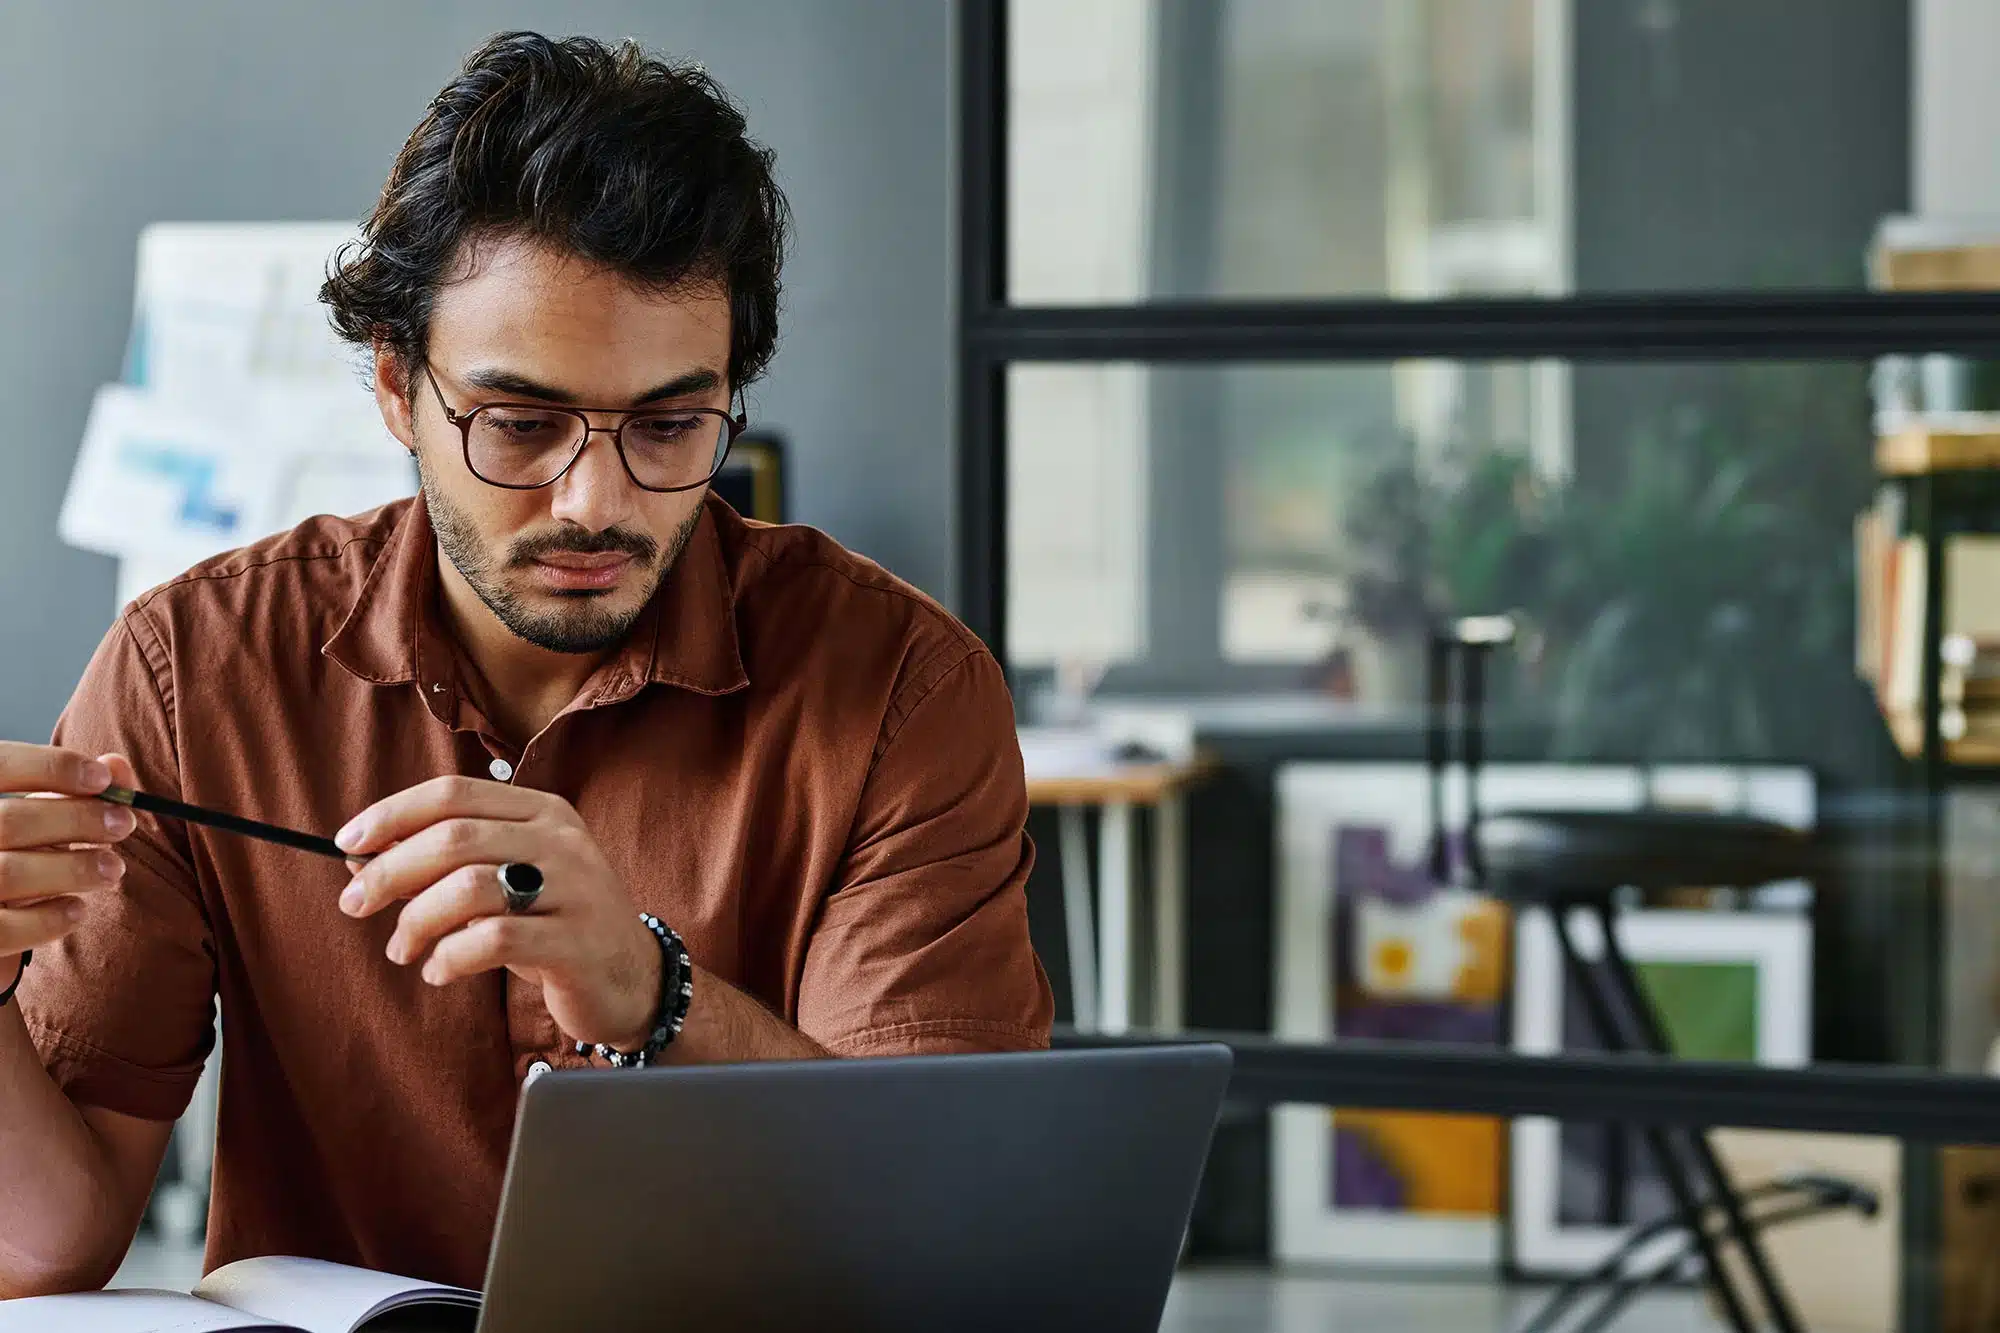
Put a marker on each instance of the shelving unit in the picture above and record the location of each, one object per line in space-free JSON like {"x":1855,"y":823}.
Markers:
{"x":1948,"y":466}
{"x":1923,"y":448}
{"x":1938,"y":268}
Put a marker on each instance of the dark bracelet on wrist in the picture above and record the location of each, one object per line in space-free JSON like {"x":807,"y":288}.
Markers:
{"x":676,"y":994}
{"x":27,"y":956}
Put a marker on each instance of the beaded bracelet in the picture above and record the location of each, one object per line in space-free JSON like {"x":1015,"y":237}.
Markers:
{"x":676,"y":994}
{"x":27,"y":955}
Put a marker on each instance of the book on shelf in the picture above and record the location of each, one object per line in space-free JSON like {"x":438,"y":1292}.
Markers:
{"x":1891,"y":572}
{"x":273,"y":1294}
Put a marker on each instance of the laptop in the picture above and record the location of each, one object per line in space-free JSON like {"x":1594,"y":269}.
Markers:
{"x":1045,"y":1191}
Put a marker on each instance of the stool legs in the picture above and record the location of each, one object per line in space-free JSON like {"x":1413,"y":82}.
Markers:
{"x":1672,"y":1170}
{"x":1624,"y":981}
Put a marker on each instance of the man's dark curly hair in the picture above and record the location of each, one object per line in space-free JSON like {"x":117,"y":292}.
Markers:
{"x":601,"y":151}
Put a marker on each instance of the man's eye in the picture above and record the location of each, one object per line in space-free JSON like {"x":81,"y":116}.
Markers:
{"x":665,"y":428}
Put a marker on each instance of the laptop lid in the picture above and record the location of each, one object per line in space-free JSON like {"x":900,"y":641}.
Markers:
{"x":1042,"y":1191}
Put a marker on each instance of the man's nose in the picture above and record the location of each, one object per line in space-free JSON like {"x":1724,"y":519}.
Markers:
{"x":595,"y":493}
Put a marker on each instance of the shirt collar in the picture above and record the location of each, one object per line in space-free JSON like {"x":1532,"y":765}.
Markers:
{"x":686,"y":637}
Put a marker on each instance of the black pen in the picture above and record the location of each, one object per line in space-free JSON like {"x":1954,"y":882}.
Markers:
{"x":249,"y":828}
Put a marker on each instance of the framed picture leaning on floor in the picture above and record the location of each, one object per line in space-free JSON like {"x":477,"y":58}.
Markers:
{"x":1371,"y":944}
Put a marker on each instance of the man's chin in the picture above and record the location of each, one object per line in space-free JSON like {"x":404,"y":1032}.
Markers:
{"x":574,"y":633}
{"x":572,"y":621}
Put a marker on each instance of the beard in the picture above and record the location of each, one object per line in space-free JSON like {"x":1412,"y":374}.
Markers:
{"x":581,"y":622}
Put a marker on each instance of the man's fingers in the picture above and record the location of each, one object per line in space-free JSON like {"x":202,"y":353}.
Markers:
{"x":32,"y":927}
{"x":122,"y":774}
{"x":60,"y":821}
{"x":426,"y":857}
{"x":396,"y":817}
{"x":460,"y":897}
{"x":493,"y":942}
{"x":28,"y":876}
{"x":25,"y":767}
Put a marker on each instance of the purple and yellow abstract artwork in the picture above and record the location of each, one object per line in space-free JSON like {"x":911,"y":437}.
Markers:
{"x":1413,"y":961}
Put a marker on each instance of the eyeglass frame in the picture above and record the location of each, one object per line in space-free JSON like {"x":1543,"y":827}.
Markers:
{"x":735,"y":425}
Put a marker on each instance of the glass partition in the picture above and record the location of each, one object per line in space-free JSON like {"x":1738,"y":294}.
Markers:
{"x":1431,"y":148}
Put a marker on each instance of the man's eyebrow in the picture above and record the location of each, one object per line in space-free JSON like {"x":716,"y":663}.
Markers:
{"x":695,"y":381}
{"x":495,"y":380}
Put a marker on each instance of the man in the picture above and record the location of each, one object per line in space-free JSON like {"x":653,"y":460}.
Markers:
{"x":566,"y":656}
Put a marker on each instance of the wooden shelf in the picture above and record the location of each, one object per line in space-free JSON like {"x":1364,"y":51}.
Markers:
{"x":1949,"y":268}
{"x":1918,"y":450}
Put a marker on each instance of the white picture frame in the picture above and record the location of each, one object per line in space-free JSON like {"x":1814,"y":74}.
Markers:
{"x":1312,"y":800}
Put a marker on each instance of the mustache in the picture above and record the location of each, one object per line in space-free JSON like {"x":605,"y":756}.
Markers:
{"x":576,"y":541}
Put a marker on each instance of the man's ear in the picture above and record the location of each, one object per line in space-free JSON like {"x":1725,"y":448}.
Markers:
{"x":392,"y":395}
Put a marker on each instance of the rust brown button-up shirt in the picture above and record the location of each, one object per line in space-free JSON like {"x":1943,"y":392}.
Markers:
{"x":801,"y":763}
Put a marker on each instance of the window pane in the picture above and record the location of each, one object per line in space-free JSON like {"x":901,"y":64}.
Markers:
{"x":1429,"y":148}
{"x":1250,"y":556}
{"x":1679,"y":538}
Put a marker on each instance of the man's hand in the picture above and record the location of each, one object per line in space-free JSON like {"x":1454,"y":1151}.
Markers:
{"x":440,"y":845}
{"x":54,"y":852}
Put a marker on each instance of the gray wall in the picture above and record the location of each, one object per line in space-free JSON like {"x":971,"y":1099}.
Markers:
{"x":116,"y":113}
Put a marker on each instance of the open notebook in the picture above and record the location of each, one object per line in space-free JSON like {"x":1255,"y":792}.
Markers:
{"x":274,"y":1294}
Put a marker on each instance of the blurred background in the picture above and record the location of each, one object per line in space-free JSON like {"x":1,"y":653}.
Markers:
{"x":1242,"y":370}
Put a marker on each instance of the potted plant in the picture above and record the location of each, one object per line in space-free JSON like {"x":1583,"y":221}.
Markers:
{"x":1696,"y":605}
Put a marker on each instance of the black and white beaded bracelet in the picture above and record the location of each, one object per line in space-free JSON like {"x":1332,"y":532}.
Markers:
{"x":676,"y":994}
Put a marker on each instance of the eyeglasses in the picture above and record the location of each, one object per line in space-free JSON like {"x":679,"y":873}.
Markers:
{"x":523,"y":447}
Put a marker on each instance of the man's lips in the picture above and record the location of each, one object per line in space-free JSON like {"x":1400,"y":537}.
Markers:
{"x":569,"y":569}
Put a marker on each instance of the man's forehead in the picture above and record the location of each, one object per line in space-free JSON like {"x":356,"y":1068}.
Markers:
{"x":561,"y":320}
{"x":514,"y":274}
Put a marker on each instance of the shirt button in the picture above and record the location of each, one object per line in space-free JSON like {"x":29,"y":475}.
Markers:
{"x":536,"y":1070}
{"x":501,"y":770}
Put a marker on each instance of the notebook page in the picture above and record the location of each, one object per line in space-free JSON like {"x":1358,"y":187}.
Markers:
{"x":317,"y":1296}
{"x":128,"y":1310}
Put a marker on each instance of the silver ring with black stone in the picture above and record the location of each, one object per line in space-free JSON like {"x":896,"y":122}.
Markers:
{"x":522,"y":883}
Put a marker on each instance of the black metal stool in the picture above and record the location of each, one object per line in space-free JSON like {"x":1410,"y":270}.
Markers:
{"x":1564,"y":861}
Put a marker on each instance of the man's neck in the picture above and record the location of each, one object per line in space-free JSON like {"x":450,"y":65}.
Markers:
{"x":520,"y":686}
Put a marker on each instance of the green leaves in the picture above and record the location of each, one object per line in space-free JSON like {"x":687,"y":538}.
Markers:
{"x":1696,"y":604}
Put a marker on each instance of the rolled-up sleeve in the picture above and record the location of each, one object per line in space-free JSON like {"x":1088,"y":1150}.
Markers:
{"x":923,"y":947}
{"x":122,"y":1010}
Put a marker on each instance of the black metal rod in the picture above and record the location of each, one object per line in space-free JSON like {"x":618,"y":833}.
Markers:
{"x":1615,"y":1197}
{"x":1437,"y":703}
{"x":1472,"y":730}
{"x":1915,"y":991}
{"x":1625,"y":1288}
{"x":1618,"y":1162}
{"x":1624,"y":982}
{"x":1613,"y":1268}
{"x":1882,"y":1101}
{"x":1687,"y":1203}
{"x":1626,"y":327}
{"x":982,"y":290}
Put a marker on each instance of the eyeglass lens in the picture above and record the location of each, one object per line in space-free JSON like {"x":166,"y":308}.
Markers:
{"x":530,"y":446}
